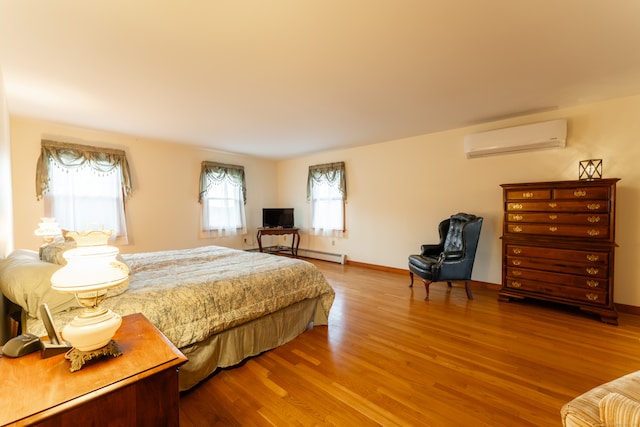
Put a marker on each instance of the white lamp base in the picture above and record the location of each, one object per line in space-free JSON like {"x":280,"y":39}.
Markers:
{"x":92,"y":329}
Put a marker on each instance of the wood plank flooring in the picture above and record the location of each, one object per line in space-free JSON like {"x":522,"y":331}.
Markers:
{"x":389,"y":358}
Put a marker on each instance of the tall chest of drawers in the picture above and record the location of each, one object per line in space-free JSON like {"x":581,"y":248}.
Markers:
{"x":558,"y":244}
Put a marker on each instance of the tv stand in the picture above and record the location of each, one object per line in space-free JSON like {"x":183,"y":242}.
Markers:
{"x":295,"y":240}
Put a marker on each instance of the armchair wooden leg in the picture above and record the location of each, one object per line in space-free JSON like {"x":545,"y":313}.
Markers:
{"x":426,"y":288}
{"x":411,"y":275}
{"x":467,"y":287}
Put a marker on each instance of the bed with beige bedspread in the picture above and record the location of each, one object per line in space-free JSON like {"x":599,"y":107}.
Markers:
{"x":217,"y":305}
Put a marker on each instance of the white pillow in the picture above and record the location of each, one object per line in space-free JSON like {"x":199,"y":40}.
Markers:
{"x":26,"y":280}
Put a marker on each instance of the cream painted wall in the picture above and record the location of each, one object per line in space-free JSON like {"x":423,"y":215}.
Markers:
{"x":398,"y":191}
{"x":164,"y":210}
{"x":6,"y":211}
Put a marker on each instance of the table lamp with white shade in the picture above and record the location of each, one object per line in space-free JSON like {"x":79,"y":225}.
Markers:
{"x":91,"y":270}
{"x":48,"y":229}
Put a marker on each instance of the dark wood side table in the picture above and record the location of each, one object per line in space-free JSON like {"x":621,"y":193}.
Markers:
{"x":139,"y":388}
{"x":295,"y":240}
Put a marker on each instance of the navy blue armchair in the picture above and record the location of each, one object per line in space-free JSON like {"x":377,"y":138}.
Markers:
{"x":451,"y":259}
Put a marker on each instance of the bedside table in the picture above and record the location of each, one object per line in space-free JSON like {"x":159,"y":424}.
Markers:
{"x":139,"y":388}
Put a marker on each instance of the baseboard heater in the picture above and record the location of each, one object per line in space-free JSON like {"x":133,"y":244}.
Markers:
{"x":324,"y":256}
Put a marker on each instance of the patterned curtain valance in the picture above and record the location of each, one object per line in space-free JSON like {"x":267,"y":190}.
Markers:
{"x":213,"y":173}
{"x":71,"y":156}
{"x":332,"y":173}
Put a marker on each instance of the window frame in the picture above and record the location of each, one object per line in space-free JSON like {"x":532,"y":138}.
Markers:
{"x":233,"y":178}
{"x":99,"y":160}
{"x":332,"y":176}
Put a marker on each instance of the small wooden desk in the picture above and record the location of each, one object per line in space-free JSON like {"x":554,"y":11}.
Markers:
{"x":295,"y":240}
{"x":139,"y":388}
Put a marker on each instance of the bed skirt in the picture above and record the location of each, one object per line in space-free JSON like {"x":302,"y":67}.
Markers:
{"x":230,"y":347}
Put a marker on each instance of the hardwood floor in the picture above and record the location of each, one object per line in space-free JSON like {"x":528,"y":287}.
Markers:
{"x":390,"y":358}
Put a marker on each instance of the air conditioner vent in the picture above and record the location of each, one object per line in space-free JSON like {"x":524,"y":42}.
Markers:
{"x":535,"y":136}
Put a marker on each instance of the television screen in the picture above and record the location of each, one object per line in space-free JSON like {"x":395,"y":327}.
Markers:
{"x":277,"y":217}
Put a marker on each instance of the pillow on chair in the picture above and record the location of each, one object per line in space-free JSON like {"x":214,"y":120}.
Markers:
{"x":619,"y":410}
{"x":453,"y":242}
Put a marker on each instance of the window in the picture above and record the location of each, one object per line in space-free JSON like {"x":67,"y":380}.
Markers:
{"x":84,"y":187}
{"x":327,"y":192}
{"x":223,"y":194}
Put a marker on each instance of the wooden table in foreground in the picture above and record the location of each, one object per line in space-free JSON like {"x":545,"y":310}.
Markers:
{"x":139,"y":388}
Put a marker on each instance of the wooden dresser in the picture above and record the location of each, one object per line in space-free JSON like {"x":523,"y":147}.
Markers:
{"x":139,"y":388}
{"x":558,"y":243}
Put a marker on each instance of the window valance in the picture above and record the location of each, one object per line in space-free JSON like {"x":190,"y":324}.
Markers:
{"x":213,"y":173}
{"x":71,"y":156}
{"x":331,"y":173}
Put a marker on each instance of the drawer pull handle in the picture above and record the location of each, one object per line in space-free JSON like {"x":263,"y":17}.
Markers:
{"x":516,"y":206}
{"x":593,"y":283}
{"x":553,"y":217}
{"x":592,"y":271}
{"x":593,"y":257}
{"x":593,"y":206}
{"x":579,"y":193}
{"x":593,"y":233}
{"x":517,"y":229}
{"x":593,"y":219}
{"x":516,"y":284}
{"x":517,"y":262}
{"x":527,"y":195}
{"x":553,"y":229}
{"x":517,"y":251}
{"x":592,"y":297}
{"x":553,"y":205}
{"x":516,"y":273}
{"x":517,"y":217}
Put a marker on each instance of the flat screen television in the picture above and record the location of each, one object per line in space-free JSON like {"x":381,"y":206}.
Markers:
{"x":277,"y":217}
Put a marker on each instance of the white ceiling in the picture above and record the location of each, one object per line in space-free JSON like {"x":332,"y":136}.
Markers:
{"x":281,"y":78}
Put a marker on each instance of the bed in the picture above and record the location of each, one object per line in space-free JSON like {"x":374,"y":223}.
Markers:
{"x":219,"y":306}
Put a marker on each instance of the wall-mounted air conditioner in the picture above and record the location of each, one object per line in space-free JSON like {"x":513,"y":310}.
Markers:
{"x":536,"y":136}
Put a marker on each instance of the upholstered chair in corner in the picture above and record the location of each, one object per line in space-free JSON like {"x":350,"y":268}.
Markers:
{"x":450,"y":260}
